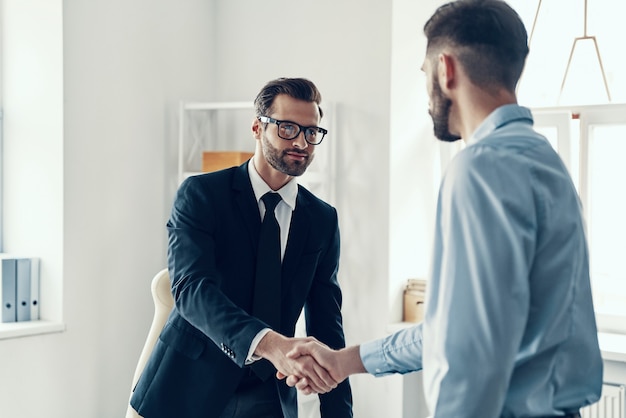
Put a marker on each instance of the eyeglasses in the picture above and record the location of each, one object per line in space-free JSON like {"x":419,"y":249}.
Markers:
{"x":290,"y":130}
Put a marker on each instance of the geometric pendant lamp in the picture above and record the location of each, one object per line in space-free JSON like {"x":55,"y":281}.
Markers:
{"x":587,"y":47}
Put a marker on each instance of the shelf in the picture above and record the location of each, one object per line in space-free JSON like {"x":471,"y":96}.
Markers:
{"x":211,"y":126}
{"x":225,"y":126}
{"x":26,"y":328}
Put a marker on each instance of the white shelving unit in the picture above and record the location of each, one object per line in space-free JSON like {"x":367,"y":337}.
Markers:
{"x":226,"y":126}
{"x":201,"y":124}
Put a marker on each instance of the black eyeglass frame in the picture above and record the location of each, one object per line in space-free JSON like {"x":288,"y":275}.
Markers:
{"x":267,"y":119}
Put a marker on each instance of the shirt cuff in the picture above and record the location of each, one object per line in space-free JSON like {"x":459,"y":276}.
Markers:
{"x":251,"y":358}
{"x":373,"y":358}
{"x":400,"y":352}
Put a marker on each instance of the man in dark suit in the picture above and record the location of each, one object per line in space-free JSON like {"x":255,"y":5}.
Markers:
{"x":215,"y":357}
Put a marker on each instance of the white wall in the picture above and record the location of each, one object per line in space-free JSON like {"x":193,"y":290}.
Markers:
{"x":414,"y":153}
{"x":32,"y":76}
{"x":33,"y":199}
{"x":100,"y":207}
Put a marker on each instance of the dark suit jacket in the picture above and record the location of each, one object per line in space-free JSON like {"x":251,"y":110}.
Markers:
{"x":199,"y":357}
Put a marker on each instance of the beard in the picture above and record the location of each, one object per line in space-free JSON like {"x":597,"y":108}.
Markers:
{"x":440,"y":113}
{"x":278,"y":160}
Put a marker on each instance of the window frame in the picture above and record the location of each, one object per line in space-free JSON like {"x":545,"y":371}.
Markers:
{"x":594,"y":116}
{"x":575,"y":156}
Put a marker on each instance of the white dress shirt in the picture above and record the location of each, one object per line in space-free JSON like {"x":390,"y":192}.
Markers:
{"x":283,"y":212}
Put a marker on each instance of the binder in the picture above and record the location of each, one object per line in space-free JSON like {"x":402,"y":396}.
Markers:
{"x":27,"y":289}
{"x":34,"y":289}
{"x":8,"y":284}
{"x":23,"y":289}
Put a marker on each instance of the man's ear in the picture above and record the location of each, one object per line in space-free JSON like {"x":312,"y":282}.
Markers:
{"x":446,"y":71}
{"x":257,"y":128}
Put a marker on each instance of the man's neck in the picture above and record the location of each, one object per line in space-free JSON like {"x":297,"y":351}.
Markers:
{"x":475,"y":104}
{"x":272,"y":177}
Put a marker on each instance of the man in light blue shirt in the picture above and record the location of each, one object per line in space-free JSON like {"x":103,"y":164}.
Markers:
{"x":509,"y":329}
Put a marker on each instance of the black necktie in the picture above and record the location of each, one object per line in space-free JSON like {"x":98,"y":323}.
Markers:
{"x":266,"y":303}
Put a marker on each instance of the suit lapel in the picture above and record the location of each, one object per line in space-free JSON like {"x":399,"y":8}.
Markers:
{"x":246,"y":203}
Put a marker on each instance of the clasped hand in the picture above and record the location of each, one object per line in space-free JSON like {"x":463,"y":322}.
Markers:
{"x":305,"y":363}
{"x":307,"y":350}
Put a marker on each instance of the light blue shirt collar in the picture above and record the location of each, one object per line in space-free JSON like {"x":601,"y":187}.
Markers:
{"x":501,"y":116}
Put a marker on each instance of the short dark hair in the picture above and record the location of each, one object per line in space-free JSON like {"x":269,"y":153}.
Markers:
{"x":298,"y":88}
{"x":488,"y":37}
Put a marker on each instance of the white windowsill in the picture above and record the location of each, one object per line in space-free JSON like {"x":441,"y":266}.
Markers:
{"x":27,"y":328}
{"x":612,"y":346}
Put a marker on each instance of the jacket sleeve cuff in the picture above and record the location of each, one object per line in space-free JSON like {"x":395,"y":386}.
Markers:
{"x":251,"y":358}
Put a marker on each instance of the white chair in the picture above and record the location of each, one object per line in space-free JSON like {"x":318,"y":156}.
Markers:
{"x":163,"y":303}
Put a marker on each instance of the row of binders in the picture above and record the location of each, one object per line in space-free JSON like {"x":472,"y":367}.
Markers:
{"x":19,"y":288}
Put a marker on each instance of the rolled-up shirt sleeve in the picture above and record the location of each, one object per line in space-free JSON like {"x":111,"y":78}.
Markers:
{"x":400,"y":353}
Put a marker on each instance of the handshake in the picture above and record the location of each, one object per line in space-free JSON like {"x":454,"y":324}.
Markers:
{"x":307,"y":364}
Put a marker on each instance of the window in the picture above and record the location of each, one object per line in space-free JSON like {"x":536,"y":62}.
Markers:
{"x":575,"y":62}
{"x":592,"y":142}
